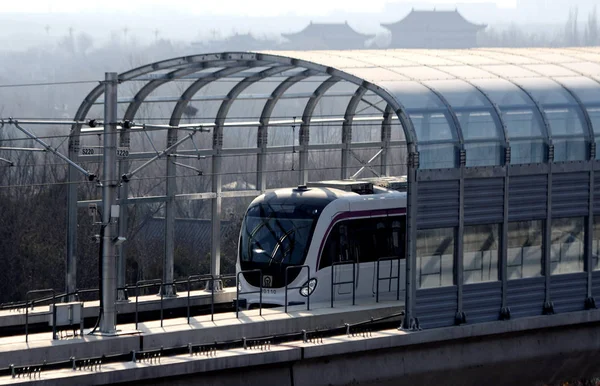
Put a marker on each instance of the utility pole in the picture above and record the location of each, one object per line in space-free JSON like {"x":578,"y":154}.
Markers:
{"x":110,"y":212}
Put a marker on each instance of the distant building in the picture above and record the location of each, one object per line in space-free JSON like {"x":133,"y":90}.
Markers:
{"x":327,"y":36}
{"x":434,"y":29}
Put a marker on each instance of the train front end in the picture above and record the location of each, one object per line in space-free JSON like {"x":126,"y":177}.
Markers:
{"x":274,"y":240}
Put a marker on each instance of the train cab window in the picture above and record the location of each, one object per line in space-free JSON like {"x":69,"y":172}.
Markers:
{"x":364,"y":240}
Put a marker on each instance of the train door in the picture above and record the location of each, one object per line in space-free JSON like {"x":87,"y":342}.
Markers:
{"x":344,"y":265}
{"x":389,"y":236}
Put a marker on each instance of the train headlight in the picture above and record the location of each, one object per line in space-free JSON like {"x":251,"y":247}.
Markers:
{"x":239,"y":286}
{"x":309,"y":287}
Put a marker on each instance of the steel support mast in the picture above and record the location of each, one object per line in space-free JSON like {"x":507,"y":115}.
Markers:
{"x":110,"y":210}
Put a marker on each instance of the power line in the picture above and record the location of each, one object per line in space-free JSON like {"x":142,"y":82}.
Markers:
{"x":48,"y":83}
{"x":282,"y":152}
{"x":211,"y":119}
{"x":164,"y":177}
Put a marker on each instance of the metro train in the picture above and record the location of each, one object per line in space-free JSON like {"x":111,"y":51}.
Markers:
{"x":342,"y":225}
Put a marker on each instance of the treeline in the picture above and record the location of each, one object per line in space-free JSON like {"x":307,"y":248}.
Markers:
{"x":575,"y":32}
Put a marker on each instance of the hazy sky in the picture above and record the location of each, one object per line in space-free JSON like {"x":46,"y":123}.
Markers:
{"x":237,"y":7}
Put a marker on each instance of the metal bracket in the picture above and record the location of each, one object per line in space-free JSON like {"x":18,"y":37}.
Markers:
{"x":507,"y":154}
{"x":166,"y":152}
{"x":365,"y":165}
{"x":462,"y":160}
{"x":198,"y":171}
{"x":505,"y":313}
{"x":411,"y":325}
{"x":460,"y":318}
{"x":89,"y":175}
{"x":413,"y":160}
{"x":590,"y":303}
{"x":548,"y":308}
{"x":550,"y":153}
{"x":9,"y":162}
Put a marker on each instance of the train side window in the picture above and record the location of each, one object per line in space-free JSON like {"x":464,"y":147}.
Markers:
{"x":364,"y":240}
{"x":331,"y":248}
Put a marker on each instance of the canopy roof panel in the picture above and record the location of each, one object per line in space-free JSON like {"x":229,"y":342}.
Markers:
{"x":475,"y":102}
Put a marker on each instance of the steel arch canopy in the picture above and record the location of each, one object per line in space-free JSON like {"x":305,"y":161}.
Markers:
{"x":384,"y":73}
{"x":462,"y":114}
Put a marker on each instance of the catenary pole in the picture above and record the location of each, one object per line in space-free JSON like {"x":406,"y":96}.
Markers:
{"x":110,"y":212}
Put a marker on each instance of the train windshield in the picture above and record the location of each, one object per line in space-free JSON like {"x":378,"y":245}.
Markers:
{"x":277,"y":234}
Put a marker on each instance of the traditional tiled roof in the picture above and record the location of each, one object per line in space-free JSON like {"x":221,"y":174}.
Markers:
{"x":327,"y":30}
{"x":440,"y":20}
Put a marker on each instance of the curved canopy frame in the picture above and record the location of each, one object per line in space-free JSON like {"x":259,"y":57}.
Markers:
{"x":433,"y":118}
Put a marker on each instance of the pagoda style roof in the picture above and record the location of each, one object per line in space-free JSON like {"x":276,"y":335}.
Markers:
{"x":328,"y":30}
{"x":441,"y":20}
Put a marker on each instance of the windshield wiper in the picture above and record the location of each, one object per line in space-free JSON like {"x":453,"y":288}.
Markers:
{"x":286,"y":250}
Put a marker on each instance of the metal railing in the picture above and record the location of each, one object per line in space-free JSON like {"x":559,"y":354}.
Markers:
{"x":32,"y":306}
{"x":353,"y":281}
{"x":148,"y":284}
{"x":78,"y":293}
{"x":200,"y":278}
{"x":390,"y":278}
{"x":300,"y":268}
{"x":238,"y":293}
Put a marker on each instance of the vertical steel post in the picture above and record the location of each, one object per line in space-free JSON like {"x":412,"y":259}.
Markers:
{"x":123,"y":219}
{"x":71,"y":263}
{"x":505,"y":311}
{"x":261,"y":156}
{"x":386,"y":136}
{"x":109,"y":193}
{"x":589,"y":239}
{"x":347,"y":129}
{"x":547,"y":307}
{"x":169,"y":259}
{"x":458,"y":245}
{"x":215,"y":250}
{"x":410,"y":321}
{"x":303,"y":141}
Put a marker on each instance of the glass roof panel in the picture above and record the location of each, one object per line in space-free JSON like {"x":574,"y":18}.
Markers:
{"x":586,"y":89}
{"x":418,"y":57}
{"x":375,"y":74}
{"x":458,"y":93}
{"x":474,"y":111}
{"x":414,"y":95}
{"x":509,"y":71}
{"x":519,"y":113}
{"x":429,"y":114}
{"x":467,"y":72}
{"x":421,"y":73}
{"x":546,"y":91}
{"x":577,"y":55}
{"x":546,"y":56}
{"x":506,"y":57}
{"x":585,"y":68}
{"x":475,"y":59}
{"x":562,"y":111}
{"x":594,"y":114}
{"x":377,"y":58}
{"x":550,"y":70}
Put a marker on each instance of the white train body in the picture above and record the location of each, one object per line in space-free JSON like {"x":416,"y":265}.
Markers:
{"x":313,"y":226}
